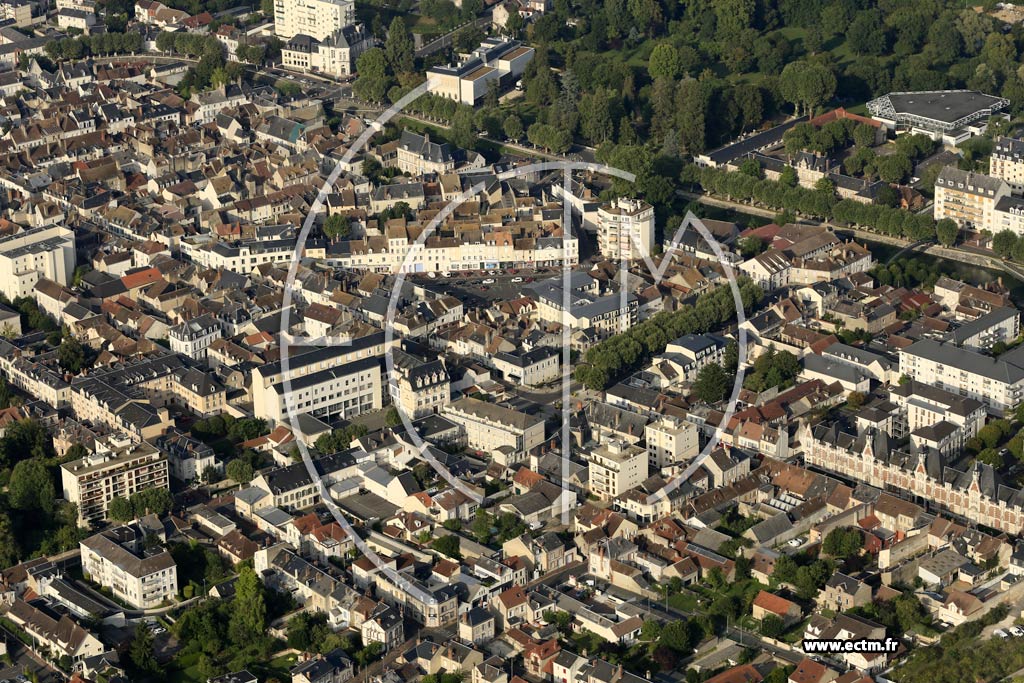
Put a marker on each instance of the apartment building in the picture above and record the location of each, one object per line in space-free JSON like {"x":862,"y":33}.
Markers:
{"x":935,"y":417}
{"x":671,"y":441}
{"x":118,"y":559}
{"x":625,"y":229}
{"x":193,"y":337}
{"x":122,"y":470}
{"x":433,"y":604}
{"x":1009,"y":215}
{"x":131,"y":398}
{"x":345,"y":391}
{"x":692,"y":352}
{"x":31,"y":255}
{"x":489,"y":426}
{"x":527,"y":243}
{"x":331,"y":381}
{"x":384,"y":626}
{"x":419,"y":155}
{"x":605,"y":315}
{"x":187,"y":458}
{"x":1007,"y":162}
{"x":616,"y":467}
{"x":1001,"y":324}
{"x":243,"y":256}
{"x":997,"y":383}
{"x":420,"y":387}
{"x":968,"y":198}
{"x":529,"y":368}
{"x":769,"y":270}
{"x":315,"y":18}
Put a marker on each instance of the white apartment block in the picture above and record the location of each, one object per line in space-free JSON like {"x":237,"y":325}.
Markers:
{"x":93,"y":481}
{"x":193,"y":337}
{"x":242,"y":257}
{"x":315,"y":18}
{"x":1007,"y":162}
{"x":625,"y":229}
{"x":343,"y":391}
{"x":490,"y":426}
{"x":452,"y":254}
{"x":1009,"y":215}
{"x":922,"y":406}
{"x":998,"y":384}
{"x":981,"y":334}
{"x":332,"y":381}
{"x":671,"y":441}
{"x":117,"y":559}
{"x":968,"y":198}
{"x":616,"y":467}
{"x":27,"y":257}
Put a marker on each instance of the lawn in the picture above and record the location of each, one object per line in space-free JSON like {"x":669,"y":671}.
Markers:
{"x":281,"y":667}
{"x":184,"y":670}
{"x":685,"y":601}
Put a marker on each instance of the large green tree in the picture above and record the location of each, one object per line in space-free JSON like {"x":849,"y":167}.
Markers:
{"x":807,"y":85}
{"x":248,"y":609}
{"x":399,"y":47}
{"x":31,"y":487}
{"x":374,"y":80}
{"x":712,"y":383}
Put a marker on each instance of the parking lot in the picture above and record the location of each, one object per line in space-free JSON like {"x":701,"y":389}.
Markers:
{"x":483,"y":289}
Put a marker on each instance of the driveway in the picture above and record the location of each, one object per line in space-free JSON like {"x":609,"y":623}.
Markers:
{"x":24,"y":660}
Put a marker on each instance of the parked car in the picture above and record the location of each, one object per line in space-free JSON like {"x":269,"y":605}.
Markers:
{"x":517,"y":279}
{"x":489,"y":281}
{"x":1001,"y":633}
{"x":1017,"y":631}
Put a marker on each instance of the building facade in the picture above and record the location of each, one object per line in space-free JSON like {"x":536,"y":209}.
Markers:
{"x":998,"y":384}
{"x":968,"y":198}
{"x":27,"y":257}
{"x":625,"y":229}
{"x":490,"y":426}
{"x":315,"y":18}
{"x":117,"y":559}
{"x":616,"y":467}
{"x":93,"y":481}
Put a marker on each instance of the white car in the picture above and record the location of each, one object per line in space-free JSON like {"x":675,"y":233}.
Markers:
{"x":489,"y":281}
{"x":517,"y":279}
{"x":432,"y":275}
{"x":796,"y":543}
{"x":446,"y":274}
{"x":1001,"y":633}
{"x":1017,"y":631}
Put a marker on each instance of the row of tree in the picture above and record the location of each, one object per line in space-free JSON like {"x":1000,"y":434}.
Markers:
{"x":619,"y":355}
{"x":97,"y":44}
{"x":816,"y":203}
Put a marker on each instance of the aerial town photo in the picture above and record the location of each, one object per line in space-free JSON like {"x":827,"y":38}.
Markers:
{"x":511,"y":341}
